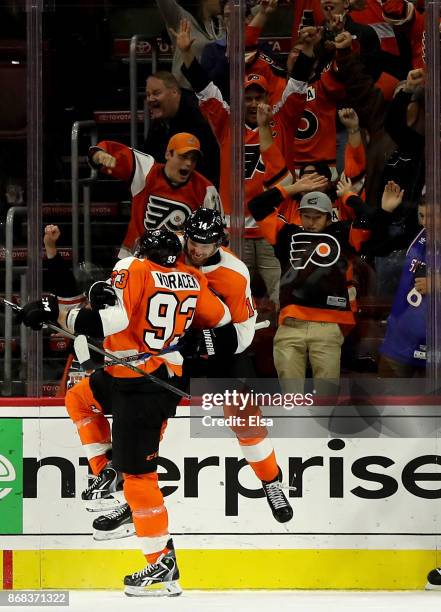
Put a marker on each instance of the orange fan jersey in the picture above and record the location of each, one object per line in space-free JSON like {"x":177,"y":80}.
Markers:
{"x":312,"y":289}
{"x":229,"y":278}
{"x":263,"y":169}
{"x":156,"y":305}
{"x":375,"y":14}
{"x":316,"y":136}
{"x":355,"y":161}
{"x":260,"y":171}
{"x":156,"y":202}
{"x":260,"y":63}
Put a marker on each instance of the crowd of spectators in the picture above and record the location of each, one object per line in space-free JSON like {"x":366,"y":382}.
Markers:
{"x":344,"y":116}
{"x":341,"y":117}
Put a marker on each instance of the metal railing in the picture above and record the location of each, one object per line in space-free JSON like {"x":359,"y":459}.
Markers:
{"x":77,"y":127}
{"x":9,"y":273}
{"x":133,"y":75}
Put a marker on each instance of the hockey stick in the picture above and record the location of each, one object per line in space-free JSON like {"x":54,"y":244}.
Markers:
{"x":109,"y":356}
{"x":82,"y":353}
{"x":141,"y":356}
{"x":262,"y":325}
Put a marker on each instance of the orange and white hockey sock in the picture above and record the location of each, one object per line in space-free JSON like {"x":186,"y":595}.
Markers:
{"x":98,"y":463}
{"x":254,"y":442}
{"x":92,"y":426}
{"x":150,"y":515}
{"x":260,"y":455}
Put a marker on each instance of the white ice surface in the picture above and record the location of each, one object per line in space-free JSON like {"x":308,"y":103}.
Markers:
{"x":254,"y":601}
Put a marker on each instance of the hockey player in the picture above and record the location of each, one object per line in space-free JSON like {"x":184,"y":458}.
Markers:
{"x":86,"y":405}
{"x":229,"y":278}
{"x":163,"y":195}
{"x":149,"y":317}
{"x":84,"y":409}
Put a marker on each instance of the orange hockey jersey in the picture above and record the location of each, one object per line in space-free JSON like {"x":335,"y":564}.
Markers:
{"x":229,"y":278}
{"x":156,"y":202}
{"x":156,"y":305}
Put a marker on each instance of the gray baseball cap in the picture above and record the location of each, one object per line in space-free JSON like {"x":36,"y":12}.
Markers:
{"x":316,"y":200}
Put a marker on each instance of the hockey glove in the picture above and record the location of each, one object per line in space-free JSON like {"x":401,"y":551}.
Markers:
{"x":219,"y":342}
{"x":190,"y":343}
{"x":35,"y":314}
{"x":101,"y":294}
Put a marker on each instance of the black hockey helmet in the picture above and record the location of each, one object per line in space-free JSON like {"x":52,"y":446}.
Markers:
{"x":161,"y":246}
{"x":205,"y":226}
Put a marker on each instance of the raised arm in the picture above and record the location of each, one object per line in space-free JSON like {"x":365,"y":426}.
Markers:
{"x":184,"y":41}
{"x":266,"y":7}
{"x":120,"y":161}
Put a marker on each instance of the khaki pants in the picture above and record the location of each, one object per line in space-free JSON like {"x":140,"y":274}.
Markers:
{"x":259,"y":257}
{"x":295,"y":340}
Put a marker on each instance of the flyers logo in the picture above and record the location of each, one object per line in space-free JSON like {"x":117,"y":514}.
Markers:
{"x":253,"y":161}
{"x":161,"y":212}
{"x":322,"y":250}
{"x":308,"y":126}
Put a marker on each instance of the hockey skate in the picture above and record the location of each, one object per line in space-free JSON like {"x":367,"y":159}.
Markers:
{"x":117,"y":524}
{"x":105,"y":492}
{"x":157,"y":579}
{"x":434,"y":580}
{"x":280,"y":506}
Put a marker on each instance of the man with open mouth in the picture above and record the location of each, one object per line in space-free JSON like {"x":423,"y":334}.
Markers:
{"x":174,"y":110}
{"x":163,"y":195}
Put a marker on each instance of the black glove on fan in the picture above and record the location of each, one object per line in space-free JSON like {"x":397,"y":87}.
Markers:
{"x":35,"y":314}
